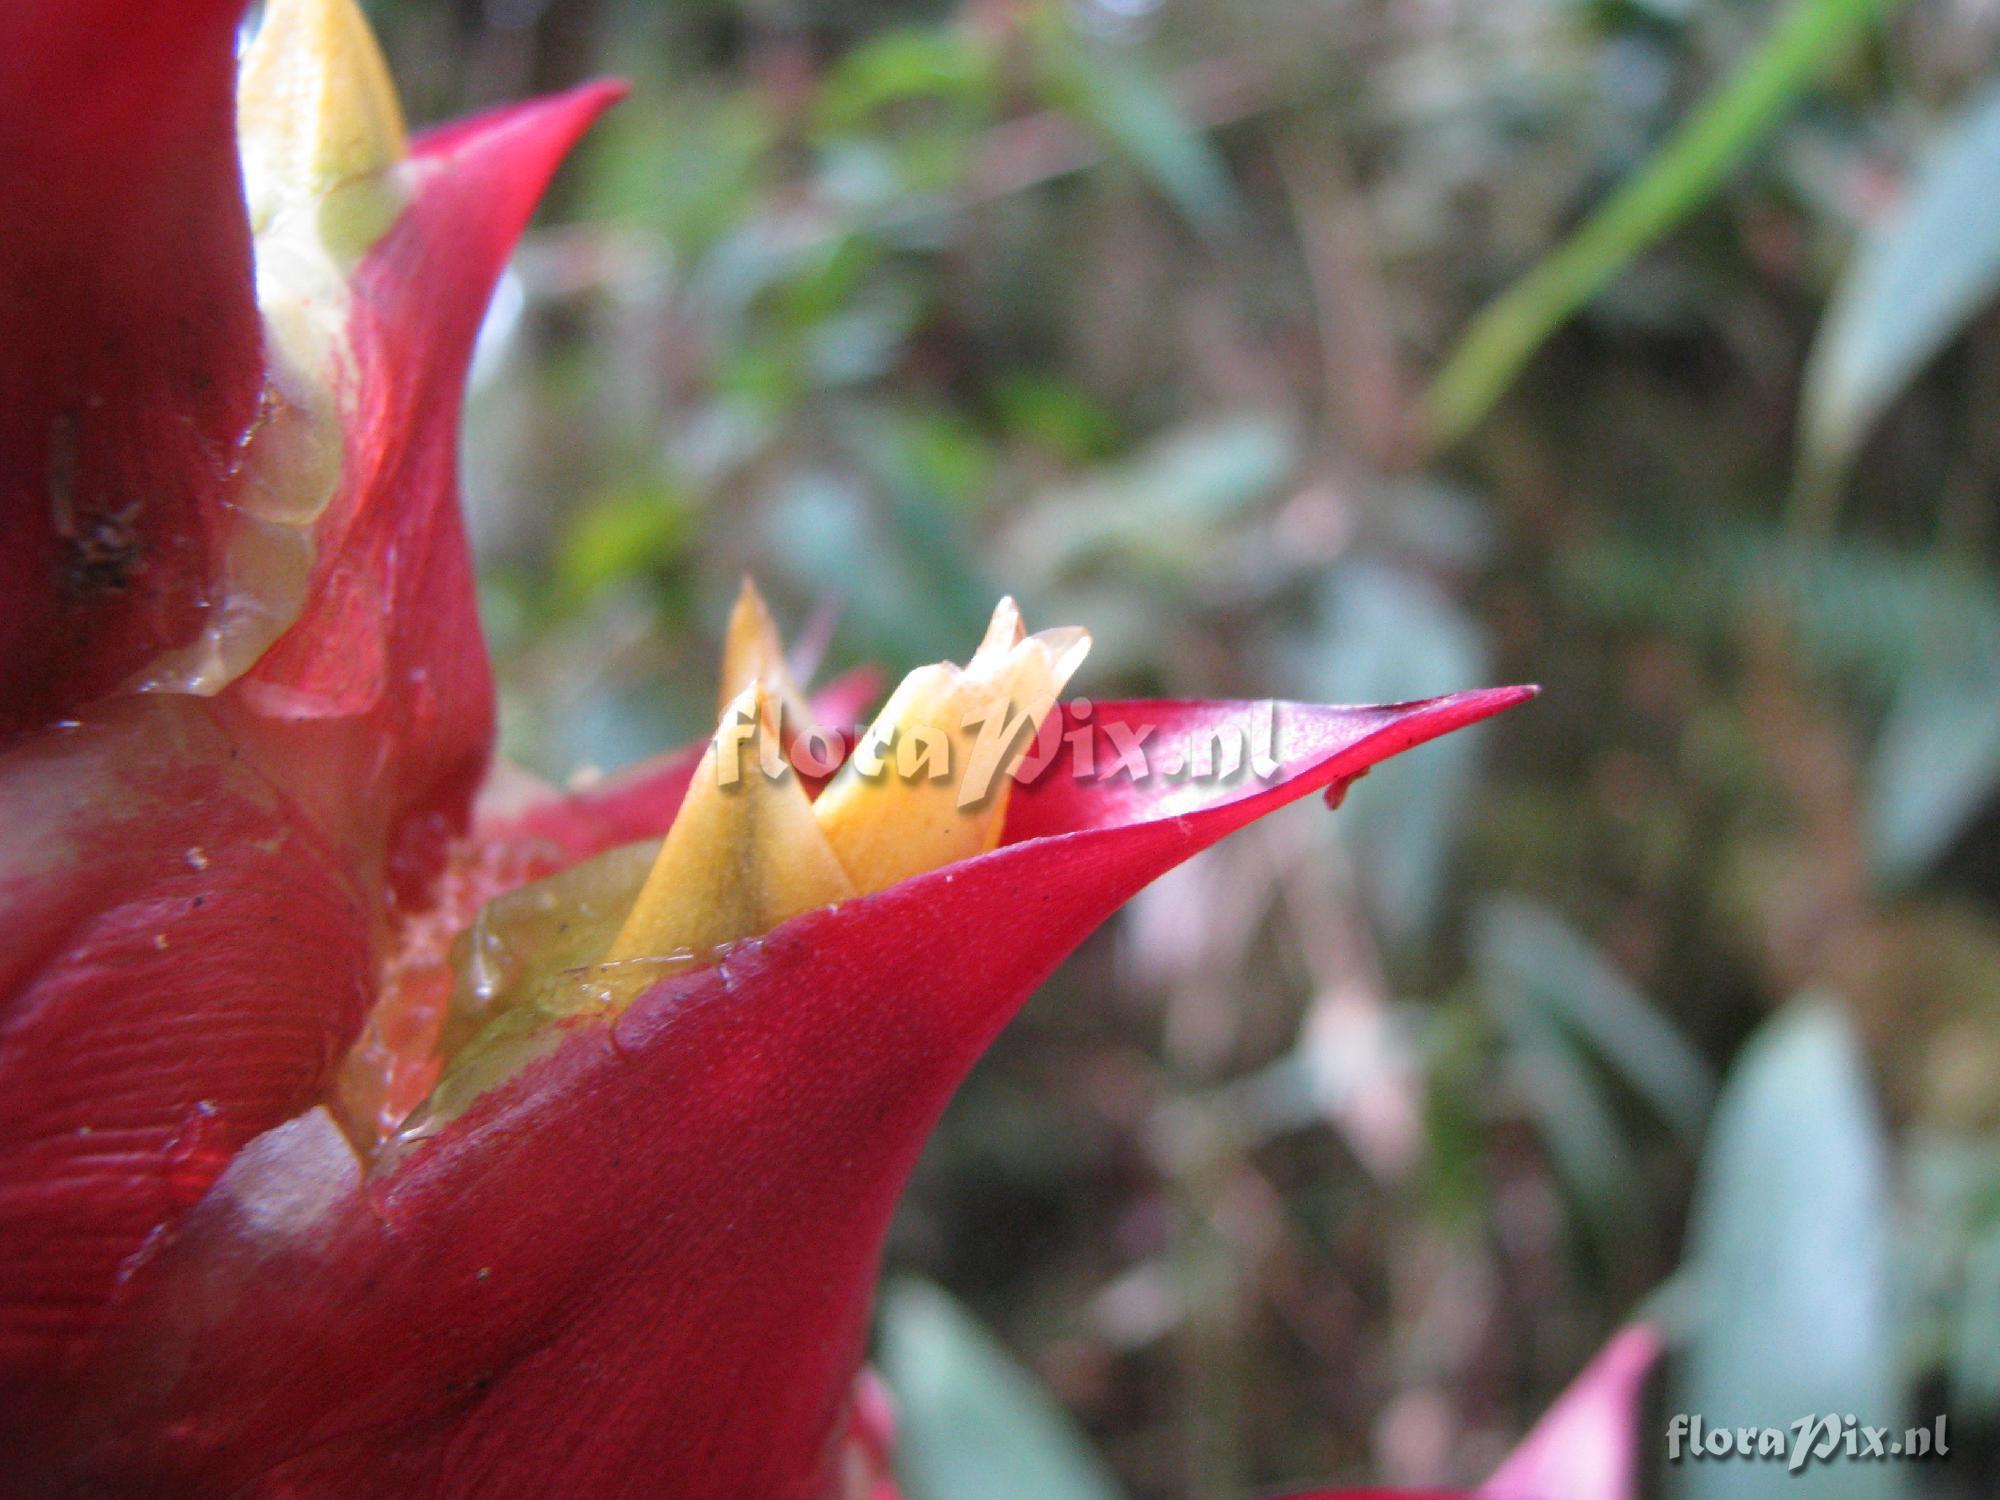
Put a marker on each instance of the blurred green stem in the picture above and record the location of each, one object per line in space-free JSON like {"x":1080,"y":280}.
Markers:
{"x":1680,"y":176}
{"x":1213,"y":1377}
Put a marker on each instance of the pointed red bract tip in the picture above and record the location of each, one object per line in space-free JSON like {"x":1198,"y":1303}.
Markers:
{"x":1586,"y":1447}
{"x":1109,"y":763}
{"x":656,"y":1244}
{"x":389,"y":638}
{"x":648,"y":1254}
{"x":196,"y":885}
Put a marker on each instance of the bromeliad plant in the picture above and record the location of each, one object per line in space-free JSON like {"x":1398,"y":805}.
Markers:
{"x":367,"y":1125}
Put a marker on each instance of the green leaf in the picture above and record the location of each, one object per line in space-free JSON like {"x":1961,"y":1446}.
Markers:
{"x":1056,"y":414}
{"x":1935,"y":765}
{"x":1528,"y":951}
{"x":1140,"y":118}
{"x":1868,"y":614}
{"x":1163,"y":508}
{"x":1681,"y":175}
{"x":1789,"y":1264}
{"x":639,"y":528}
{"x":1913,"y":286}
{"x":1588,"y":1145}
{"x":972,"y":1424}
{"x":690,"y":165}
{"x":1951,"y":1262}
{"x":900,"y":66}
{"x":1566,"y":1015}
{"x":926,"y":457}
{"x":1975,"y":1354}
{"x":827,"y":532}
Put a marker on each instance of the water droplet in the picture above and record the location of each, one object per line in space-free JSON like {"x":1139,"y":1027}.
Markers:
{"x":197,"y":1152}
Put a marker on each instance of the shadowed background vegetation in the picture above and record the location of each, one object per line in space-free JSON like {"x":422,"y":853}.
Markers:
{"x":1350,"y":350}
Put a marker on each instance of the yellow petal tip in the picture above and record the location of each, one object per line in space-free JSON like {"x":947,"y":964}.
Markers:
{"x":754,"y":652}
{"x":744,"y":852}
{"x":928,"y":784}
{"x":1004,"y":632}
{"x":315,"y":105}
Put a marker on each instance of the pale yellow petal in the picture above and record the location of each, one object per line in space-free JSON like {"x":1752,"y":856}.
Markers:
{"x":929,"y":782}
{"x":744,"y":854}
{"x":753,"y":651}
{"x":315,"y":106}
{"x":1004,"y":631}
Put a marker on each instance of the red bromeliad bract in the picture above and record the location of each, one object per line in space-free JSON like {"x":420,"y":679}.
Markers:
{"x":1587,"y":1446}
{"x":245,"y":716}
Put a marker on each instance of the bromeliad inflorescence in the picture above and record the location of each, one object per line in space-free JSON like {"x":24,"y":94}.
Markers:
{"x":749,"y":847}
{"x":368,"y":1126}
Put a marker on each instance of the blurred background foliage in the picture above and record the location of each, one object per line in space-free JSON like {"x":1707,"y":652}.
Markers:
{"x":1348,"y":350}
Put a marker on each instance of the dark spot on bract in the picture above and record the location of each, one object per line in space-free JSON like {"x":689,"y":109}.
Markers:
{"x":103,"y":553}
